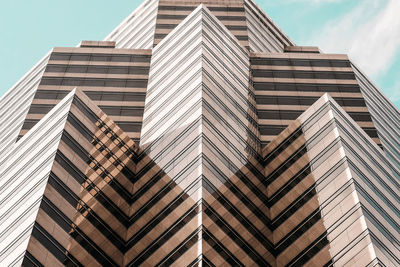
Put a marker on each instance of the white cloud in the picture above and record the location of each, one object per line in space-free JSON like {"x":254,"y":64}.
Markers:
{"x":369,"y":33}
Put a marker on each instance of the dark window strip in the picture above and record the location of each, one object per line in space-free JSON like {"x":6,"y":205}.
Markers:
{"x":159,"y":174}
{"x":206,"y":262}
{"x":86,"y":211}
{"x":312,"y":87}
{"x":296,"y":134}
{"x":224,"y":226}
{"x":87,"y":158}
{"x":53,"y":246}
{"x":238,"y":215}
{"x":163,"y":191}
{"x":166,"y":26}
{"x":289,"y":185}
{"x":302,"y":150}
{"x":165,"y":236}
{"x":300,"y":62}
{"x":99,"y":196}
{"x":331,"y":75}
{"x":184,"y":246}
{"x":122,"y":110}
{"x":97,"y":69}
{"x":242,"y":37}
{"x":158,"y":218}
{"x":99,"y":57}
{"x":116,"y":96}
{"x":191,"y":8}
{"x":306,"y":100}
{"x":298,"y":178}
{"x":129,"y":127}
{"x":279,"y":114}
{"x":31,"y":261}
{"x":100,"y":82}
{"x":283,"y":145}
{"x":102,"y":126}
{"x":40,"y":108}
{"x":229,"y":27}
{"x":295,"y":205}
{"x":28,"y":124}
{"x":233,"y":188}
{"x":196,"y":262}
{"x":297,"y":232}
{"x":75,"y":232}
{"x":272,"y":129}
{"x":310,"y":251}
{"x":51,"y":94}
{"x":220,"y":249}
{"x":238,"y":153}
{"x":181,"y":17}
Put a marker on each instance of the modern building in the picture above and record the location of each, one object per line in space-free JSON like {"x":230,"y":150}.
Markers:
{"x":198,"y":134}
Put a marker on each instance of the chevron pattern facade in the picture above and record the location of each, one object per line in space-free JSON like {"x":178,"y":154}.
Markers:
{"x":198,"y":134}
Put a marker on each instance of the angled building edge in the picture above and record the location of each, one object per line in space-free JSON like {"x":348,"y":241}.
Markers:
{"x":146,"y":149}
{"x":63,"y":188}
{"x":332,"y":193}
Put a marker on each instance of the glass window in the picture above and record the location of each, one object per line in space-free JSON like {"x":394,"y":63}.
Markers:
{"x":77,"y":69}
{"x":60,"y":56}
{"x":80,"y":57}
{"x":55,"y":68}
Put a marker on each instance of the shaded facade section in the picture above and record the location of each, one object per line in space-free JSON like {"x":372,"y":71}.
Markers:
{"x":287,"y":84}
{"x":115,"y":79}
{"x":332,"y":197}
{"x":80,"y":192}
{"x":200,"y":128}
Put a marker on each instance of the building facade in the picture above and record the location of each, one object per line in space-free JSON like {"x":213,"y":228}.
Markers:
{"x":198,"y":134}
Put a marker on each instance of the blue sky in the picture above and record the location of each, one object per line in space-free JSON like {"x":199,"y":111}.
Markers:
{"x":368,"y":30}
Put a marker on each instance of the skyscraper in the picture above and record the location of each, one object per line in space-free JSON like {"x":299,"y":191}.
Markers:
{"x":198,"y":134}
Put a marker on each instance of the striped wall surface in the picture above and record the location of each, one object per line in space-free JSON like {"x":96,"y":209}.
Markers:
{"x":14,"y":106}
{"x":77,"y":193}
{"x":137,"y":30}
{"x":286,"y":84}
{"x":385,"y":115}
{"x":263,"y":35}
{"x":115,"y":79}
{"x":146,"y":149}
{"x":200,"y":111}
{"x":230,"y":13}
{"x":333,"y":200}
{"x":25,"y":172}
